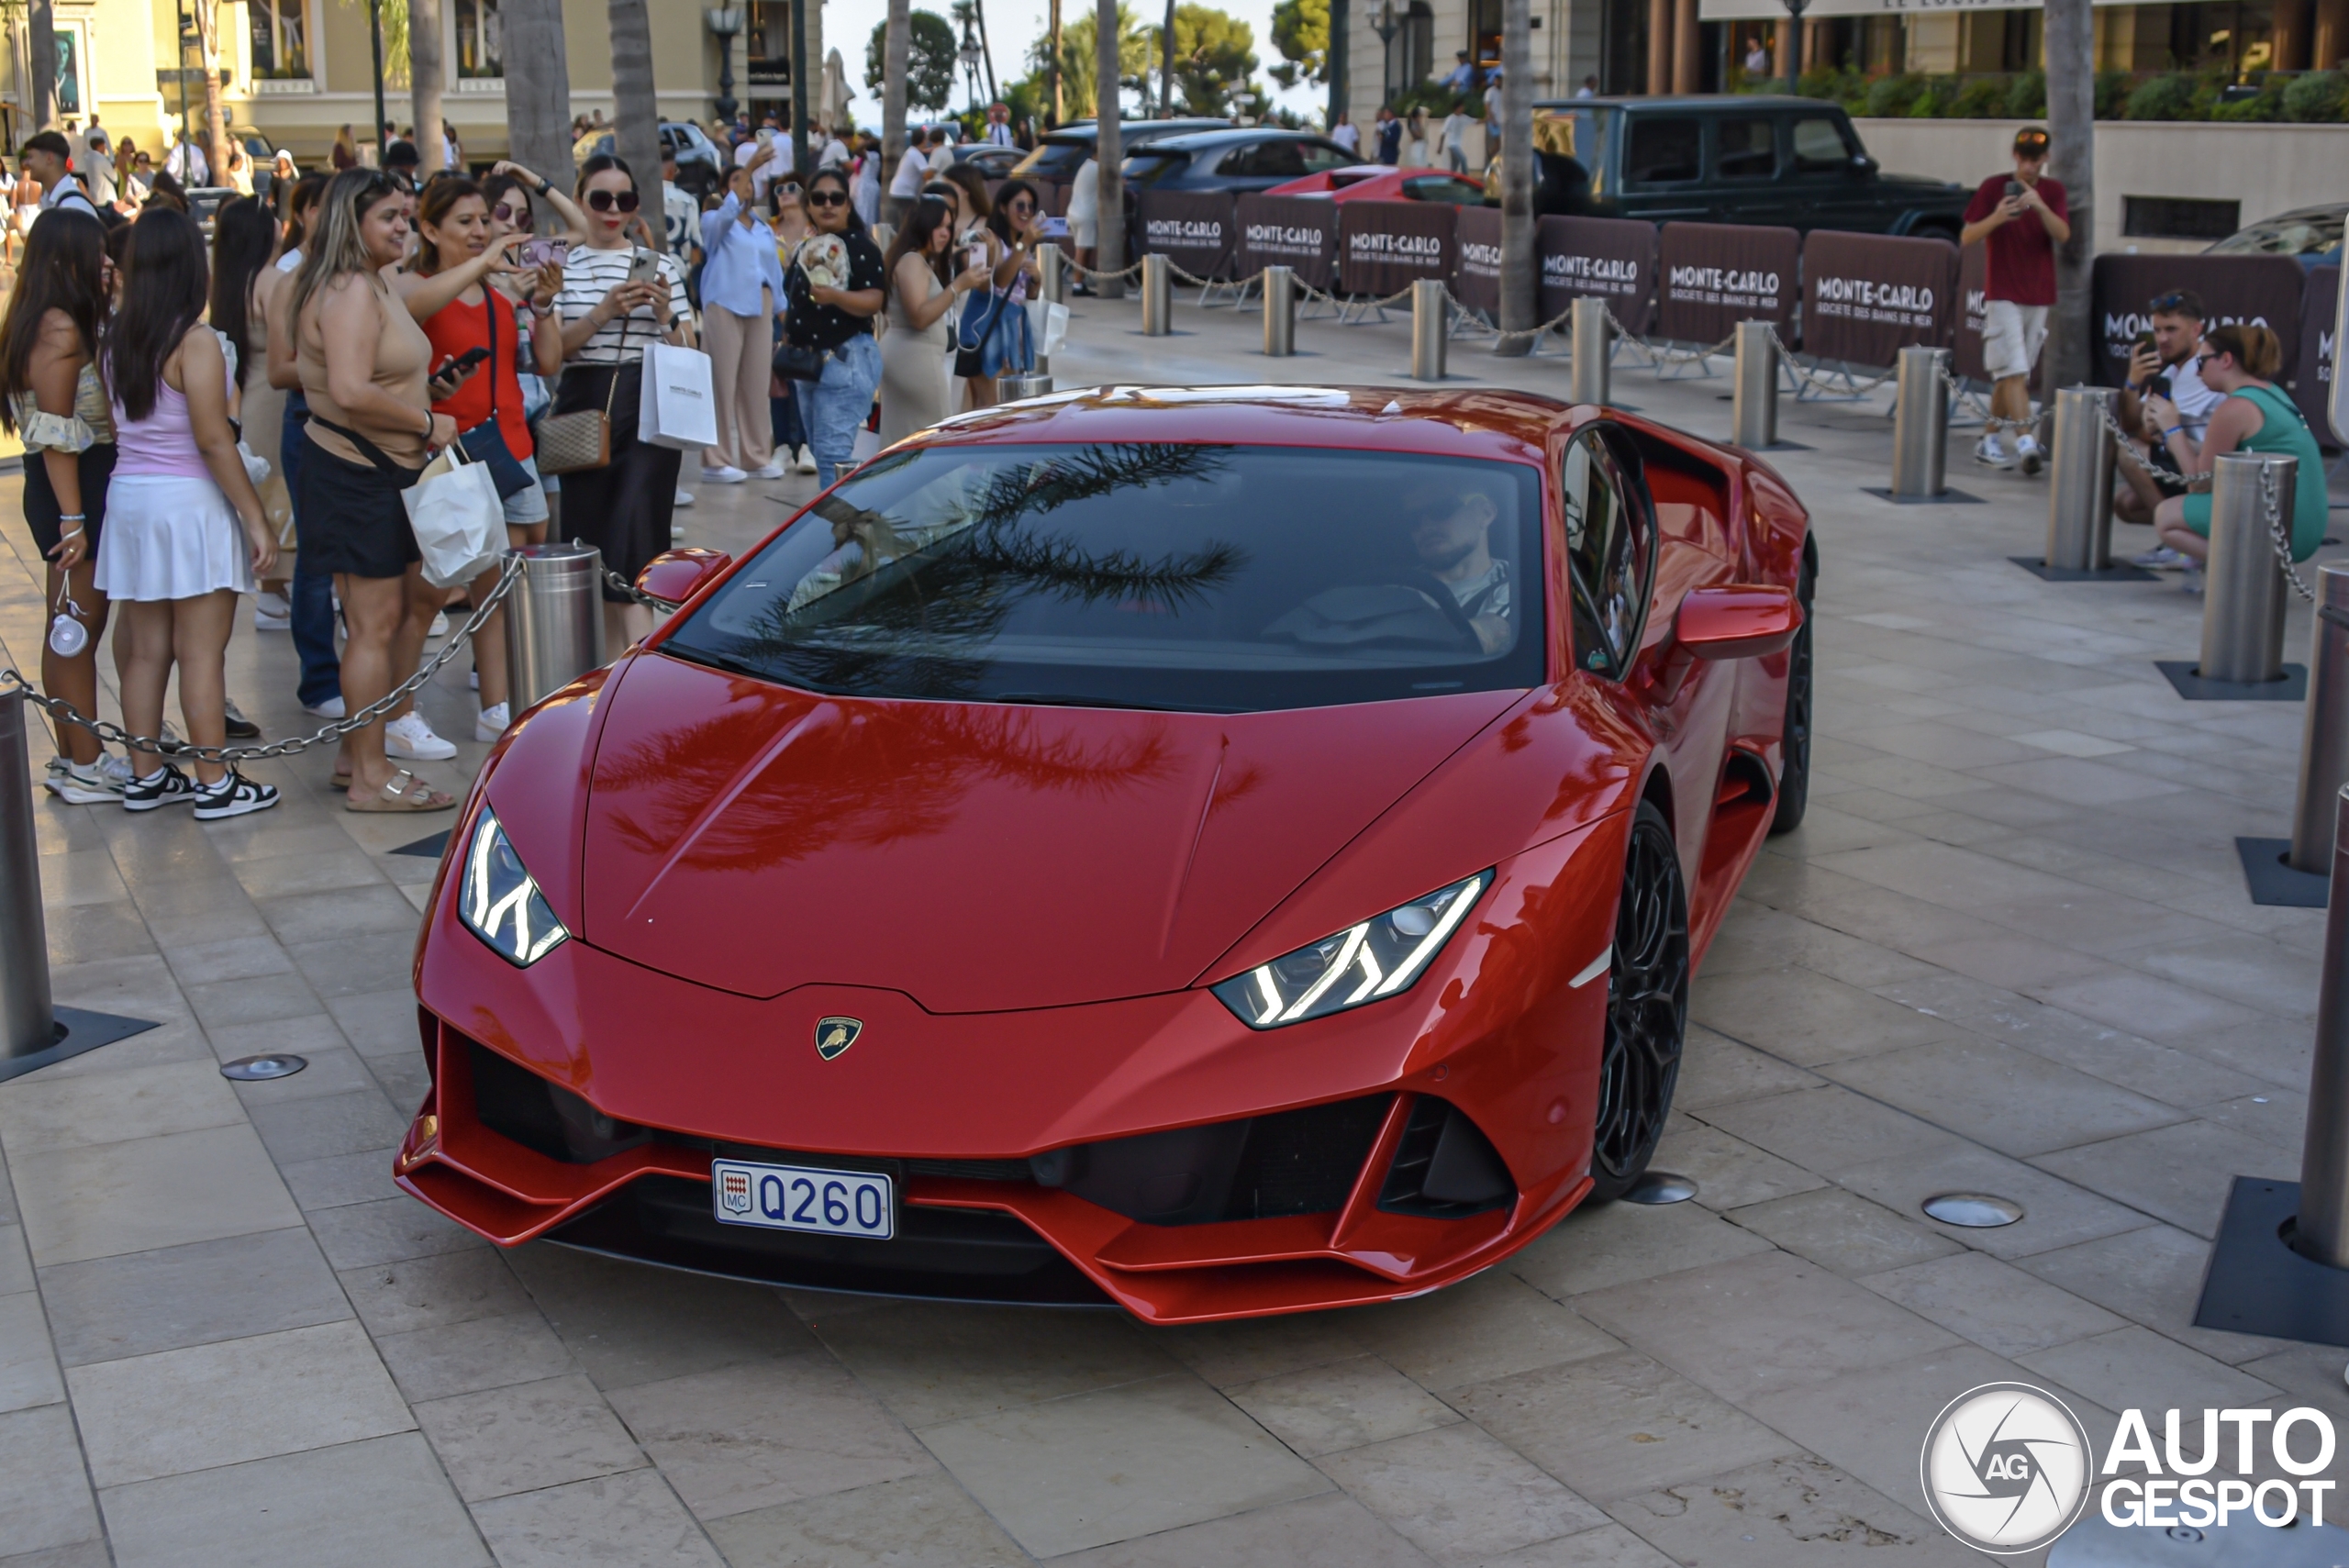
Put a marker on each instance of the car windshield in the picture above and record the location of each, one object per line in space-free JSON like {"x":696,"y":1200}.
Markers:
{"x":2293,"y":234}
{"x":1149,"y":168}
{"x":1057,"y":160}
{"x":1146,"y":574}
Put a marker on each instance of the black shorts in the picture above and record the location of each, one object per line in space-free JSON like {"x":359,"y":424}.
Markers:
{"x":352,"y":518}
{"x":41,"y":509}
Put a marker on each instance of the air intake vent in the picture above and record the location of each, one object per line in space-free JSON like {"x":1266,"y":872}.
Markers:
{"x":1301,"y":1161}
{"x":1444,"y":1167}
{"x":516,"y":1103}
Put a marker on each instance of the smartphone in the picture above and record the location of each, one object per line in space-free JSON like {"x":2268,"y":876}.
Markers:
{"x":2014,"y":189}
{"x":465,"y":361}
{"x":541,"y":252}
{"x":645,"y":268}
{"x":2158,"y":386}
{"x":977,"y":257}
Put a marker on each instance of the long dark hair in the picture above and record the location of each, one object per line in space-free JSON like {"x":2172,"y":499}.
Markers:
{"x":838,"y":176}
{"x":163,"y":295}
{"x":442,"y":194}
{"x":244,"y":236}
{"x":998,"y":219}
{"x":165,"y":192}
{"x":300,"y":203}
{"x":63,"y":269}
{"x":913,"y":239}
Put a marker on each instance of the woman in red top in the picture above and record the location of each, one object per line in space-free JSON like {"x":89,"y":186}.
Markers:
{"x":447,"y":289}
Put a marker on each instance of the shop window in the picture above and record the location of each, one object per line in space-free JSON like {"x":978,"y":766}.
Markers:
{"x":281,"y":43}
{"x":766,"y":41}
{"x":481,"y":38}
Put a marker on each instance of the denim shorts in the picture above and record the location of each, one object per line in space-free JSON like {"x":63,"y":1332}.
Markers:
{"x":528,"y":506}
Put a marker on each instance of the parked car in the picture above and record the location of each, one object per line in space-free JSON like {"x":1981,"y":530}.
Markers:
{"x":701,"y":166}
{"x":1063,"y":153}
{"x":995,"y":163}
{"x":1377,"y":183}
{"x":1791,"y":161}
{"x":2312,"y":235}
{"x":1255,"y":159}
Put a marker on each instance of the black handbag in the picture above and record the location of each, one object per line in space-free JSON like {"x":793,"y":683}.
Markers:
{"x":486,"y":443}
{"x":793,"y":362}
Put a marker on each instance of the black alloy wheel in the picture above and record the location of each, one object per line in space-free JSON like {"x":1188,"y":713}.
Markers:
{"x":1794,"y":773}
{"x":1647,"y":1009}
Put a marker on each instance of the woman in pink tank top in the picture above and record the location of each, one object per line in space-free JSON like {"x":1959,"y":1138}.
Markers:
{"x":185,"y":533}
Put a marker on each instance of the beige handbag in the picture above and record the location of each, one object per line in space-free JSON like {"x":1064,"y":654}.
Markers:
{"x":566,"y":443}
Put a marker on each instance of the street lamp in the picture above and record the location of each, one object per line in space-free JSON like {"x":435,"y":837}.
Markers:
{"x":1384,"y":23}
{"x":970,"y":54}
{"x":1795,"y":8}
{"x":725,"y":22}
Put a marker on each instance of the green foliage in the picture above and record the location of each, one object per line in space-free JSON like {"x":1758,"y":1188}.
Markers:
{"x":2266,"y":108}
{"x":1888,"y":96}
{"x":2111,"y":94}
{"x":1301,"y":33}
{"x":1982,"y":98}
{"x":930,"y":61}
{"x":1932,"y":103}
{"x":2169,"y":96}
{"x":2027,"y":96}
{"x":1437,"y":100}
{"x":1137,"y":52}
{"x":1215,"y":54}
{"x":1821,"y":82}
{"x":2320,"y":97}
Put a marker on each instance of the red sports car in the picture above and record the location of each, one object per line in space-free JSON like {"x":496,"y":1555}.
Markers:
{"x":1377,"y":183}
{"x":1212,"y":851}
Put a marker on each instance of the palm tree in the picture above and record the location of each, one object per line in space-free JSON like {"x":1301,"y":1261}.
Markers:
{"x":40,"y":31}
{"x":897,"y":53}
{"x":1110,"y":150}
{"x":1518,"y":263}
{"x":424,"y":79}
{"x":636,"y":111}
{"x":2071,"y":129}
{"x":537,"y":93}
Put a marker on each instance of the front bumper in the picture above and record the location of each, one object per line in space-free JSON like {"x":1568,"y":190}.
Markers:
{"x":975,"y":1116}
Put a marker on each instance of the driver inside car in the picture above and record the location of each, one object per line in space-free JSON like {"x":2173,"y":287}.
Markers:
{"x":1452,"y":535}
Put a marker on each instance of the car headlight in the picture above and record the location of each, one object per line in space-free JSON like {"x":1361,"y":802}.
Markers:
{"x":1363,"y":964}
{"x":500,"y":904}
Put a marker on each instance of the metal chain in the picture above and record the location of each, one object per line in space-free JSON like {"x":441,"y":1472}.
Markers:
{"x":59,"y":708}
{"x":634,"y":595}
{"x":1657,"y":357}
{"x":1809,"y":375}
{"x":2122,"y":442}
{"x":1991,"y":423}
{"x":2278,"y":535}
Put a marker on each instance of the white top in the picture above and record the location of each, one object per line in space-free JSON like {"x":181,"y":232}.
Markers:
{"x":1347,"y":136}
{"x":589,"y":275}
{"x":912,"y":170}
{"x":1084,"y":197}
{"x":68,"y":189}
{"x":999,"y":134}
{"x":2193,"y":400}
{"x":291,"y":260}
{"x":835,"y":152}
{"x":680,"y":218}
{"x":941,"y":158}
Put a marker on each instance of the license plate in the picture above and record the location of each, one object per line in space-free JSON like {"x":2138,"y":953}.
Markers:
{"x":797,"y":1197}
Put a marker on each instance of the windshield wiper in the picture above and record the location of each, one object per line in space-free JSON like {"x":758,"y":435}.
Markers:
{"x":1074,"y":699}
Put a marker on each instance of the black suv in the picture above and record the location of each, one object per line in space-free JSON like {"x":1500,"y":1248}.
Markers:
{"x":1795,"y":162}
{"x":1064,"y":151}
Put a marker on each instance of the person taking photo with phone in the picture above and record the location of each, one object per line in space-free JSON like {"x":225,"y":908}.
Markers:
{"x":2162,"y":364}
{"x":2020,"y":218}
{"x":741,"y":289}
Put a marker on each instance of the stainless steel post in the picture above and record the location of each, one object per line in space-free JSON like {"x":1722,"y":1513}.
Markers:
{"x":554,"y":619}
{"x":28,"y":1020}
{"x":2323,"y":1226}
{"x":2324,"y":727}
{"x":2243,"y":598}
{"x":1920,"y":427}
{"x":1051,"y":286}
{"x":2079,"y":495}
{"x":1280,"y":312}
{"x":1593,"y":346}
{"x":1754,"y":408}
{"x":1034,"y":384}
{"x":1157,"y":297}
{"x":1430,"y":319}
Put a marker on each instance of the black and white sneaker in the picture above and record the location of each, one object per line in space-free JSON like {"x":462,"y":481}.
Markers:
{"x":165,"y":786}
{"x":234,"y":796}
{"x":240,"y":728}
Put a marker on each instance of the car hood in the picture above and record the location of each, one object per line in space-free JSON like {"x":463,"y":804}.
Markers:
{"x":976,"y":857}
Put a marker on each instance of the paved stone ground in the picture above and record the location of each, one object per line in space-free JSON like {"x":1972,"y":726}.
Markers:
{"x":2009,"y":950}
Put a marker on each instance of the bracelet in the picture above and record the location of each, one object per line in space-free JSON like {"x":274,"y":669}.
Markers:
{"x":72,"y":518}
{"x":2172,"y":431}
{"x":430,"y":422}
{"x":546,"y":187}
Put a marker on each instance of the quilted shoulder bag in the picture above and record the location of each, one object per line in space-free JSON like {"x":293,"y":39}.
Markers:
{"x":582,"y":439}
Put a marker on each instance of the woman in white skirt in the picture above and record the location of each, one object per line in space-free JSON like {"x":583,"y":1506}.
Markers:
{"x":185,"y":533}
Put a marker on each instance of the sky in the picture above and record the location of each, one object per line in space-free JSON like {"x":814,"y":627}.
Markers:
{"x":1014,"y":25}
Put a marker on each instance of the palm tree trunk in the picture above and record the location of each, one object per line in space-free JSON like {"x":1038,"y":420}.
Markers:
{"x":1166,"y":71}
{"x":216,"y":126}
{"x":1517,"y":221}
{"x":2071,"y":129}
{"x":425,"y":77}
{"x":40,"y":34}
{"x":636,"y":111}
{"x":1110,"y":150}
{"x":1060,"y":103}
{"x":895,"y":49}
{"x":986,"y":50}
{"x":538,"y":96}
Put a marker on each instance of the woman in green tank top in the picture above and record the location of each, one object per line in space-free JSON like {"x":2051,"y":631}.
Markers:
{"x":2239,"y":359}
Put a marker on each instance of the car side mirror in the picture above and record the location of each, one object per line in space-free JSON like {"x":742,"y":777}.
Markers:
{"x":677,"y":576}
{"x":1862,"y":164}
{"x":1746,"y":620}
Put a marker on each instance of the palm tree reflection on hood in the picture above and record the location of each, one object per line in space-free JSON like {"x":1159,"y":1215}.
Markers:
{"x":909,"y":607}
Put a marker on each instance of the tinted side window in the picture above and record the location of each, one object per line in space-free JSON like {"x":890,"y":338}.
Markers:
{"x":1819,"y":145}
{"x":1267,"y":160}
{"x":1745,"y":149}
{"x":1610,"y":558}
{"x":1319,"y":159}
{"x":1662,"y":149}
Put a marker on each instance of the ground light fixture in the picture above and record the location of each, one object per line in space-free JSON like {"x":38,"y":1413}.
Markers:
{"x":1974,"y":1211}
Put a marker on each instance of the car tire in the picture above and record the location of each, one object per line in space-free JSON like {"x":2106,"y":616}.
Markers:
{"x":1647,"y":1009}
{"x":1794,"y":769}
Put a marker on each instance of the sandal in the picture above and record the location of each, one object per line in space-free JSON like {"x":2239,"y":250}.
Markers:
{"x":404,"y":793}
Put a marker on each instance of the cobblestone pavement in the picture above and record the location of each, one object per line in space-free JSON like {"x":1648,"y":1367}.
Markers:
{"x":2010,"y":951}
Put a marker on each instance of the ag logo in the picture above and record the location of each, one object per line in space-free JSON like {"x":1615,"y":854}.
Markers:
{"x":734,"y":1191}
{"x":836,"y":1035}
{"x":2005,"y":1468}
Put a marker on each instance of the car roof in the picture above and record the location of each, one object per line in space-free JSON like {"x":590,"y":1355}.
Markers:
{"x":1201,"y":141}
{"x":1487,"y":423}
{"x":1687,"y":101}
{"x":1088,"y":130}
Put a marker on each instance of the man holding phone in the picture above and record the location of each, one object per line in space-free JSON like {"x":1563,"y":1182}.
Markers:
{"x":2163,"y":365}
{"x":2020,"y":218}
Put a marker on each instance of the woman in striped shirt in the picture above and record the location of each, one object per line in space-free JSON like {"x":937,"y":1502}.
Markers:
{"x":622,"y":508}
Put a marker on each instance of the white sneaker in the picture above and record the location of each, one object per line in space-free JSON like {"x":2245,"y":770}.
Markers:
{"x":685,"y":496}
{"x":2027,"y":454}
{"x":807,"y":462}
{"x":330,"y":708}
{"x":440,"y":627}
{"x":492,"y":723}
{"x":271,"y":613}
{"x":728,"y":474}
{"x":84,"y":784}
{"x":2190,"y":580}
{"x":413,"y":739}
{"x":772,"y":471}
{"x":1991,"y":450}
{"x":116,"y":771}
{"x":2161,"y":558}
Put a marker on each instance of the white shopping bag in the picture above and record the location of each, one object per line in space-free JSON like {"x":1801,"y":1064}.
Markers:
{"x":1046,"y":326}
{"x":678,"y":408}
{"x":459,"y":521}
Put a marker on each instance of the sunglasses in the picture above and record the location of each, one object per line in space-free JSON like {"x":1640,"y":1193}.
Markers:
{"x":789,"y":187}
{"x":2168,"y":303}
{"x":518,"y":216}
{"x":827,"y":199}
{"x":604,"y":201}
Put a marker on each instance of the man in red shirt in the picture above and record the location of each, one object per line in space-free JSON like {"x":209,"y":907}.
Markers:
{"x":2021,"y":218}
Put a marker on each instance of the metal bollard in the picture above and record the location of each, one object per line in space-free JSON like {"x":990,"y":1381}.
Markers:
{"x":554,"y":619}
{"x":1052,"y":279}
{"x":2325,"y":738}
{"x":1754,"y":407}
{"x":2321,"y":1228}
{"x":27,"y":1018}
{"x":2243,"y":598}
{"x":1429,"y":324}
{"x":1593,"y":347}
{"x":1034,"y":384}
{"x":2079,"y":495}
{"x":1280,"y":312}
{"x":1920,"y":430}
{"x":1157,"y":297}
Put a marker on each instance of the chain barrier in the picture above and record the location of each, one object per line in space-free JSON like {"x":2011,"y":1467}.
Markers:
{"x":1993,"y":423}
{"x":634,"y":595}
{"x":1824,"y":383}
{"x":58,"y":707}
{"x":2279,"y":536}
{"x":1660,"y":357}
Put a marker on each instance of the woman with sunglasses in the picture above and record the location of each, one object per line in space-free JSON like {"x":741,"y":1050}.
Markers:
{"x":1017,"y":223}
{"x":741,"y":290}
{"x":923,"y":289}
{"x":2239,"y":361}
{"x":508,"y":191}
{"x":624,"y":508}
{"x":839,"y":321}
